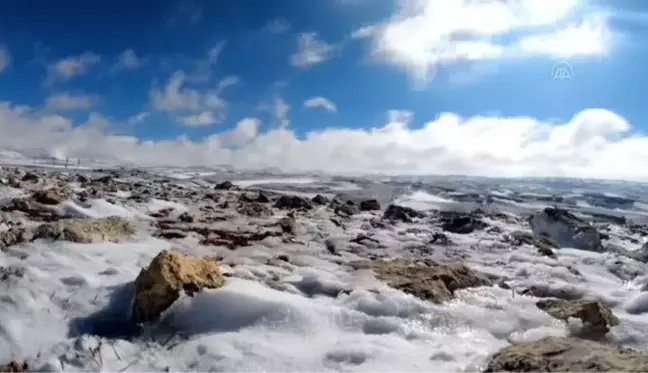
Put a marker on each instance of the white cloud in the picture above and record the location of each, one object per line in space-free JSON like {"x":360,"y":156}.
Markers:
{"x":70,"y":67}
{"x":321,"y":102}
{"x":424,"y":34}
{"x":128,"y":60}
{"x":138,"y":118}
{"x":277,"y":26}
{"x":203,"y":119}
{"x":594,"y":143}
{"x":65,"y":101}
{"x":4,"y":58}
{"x":311,"y":50}
{"x":228,"y":81}
{"x":280,"y":110}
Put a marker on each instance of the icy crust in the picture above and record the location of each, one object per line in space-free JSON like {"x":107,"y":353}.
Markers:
{"x":305,"y":299}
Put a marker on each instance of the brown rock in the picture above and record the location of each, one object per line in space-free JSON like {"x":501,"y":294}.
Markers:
{"x":554,"y":354}
{"x":85,"y":230}
{"x":429,"y":280}
{"x":52,"y":196}
{"x":14,"y":236}
{"x":14,"y":367}
{"x":169,"y":274}
{"x":597,"y":317}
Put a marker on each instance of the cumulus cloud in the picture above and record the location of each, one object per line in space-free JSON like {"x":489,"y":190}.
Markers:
{"x":424,"y":34}
{"x":321,"y":102}
{"x":594,"y":143}
{"x":72,"y":66}
{"x":311,"y":50}
{"x":128,"y":60}
{"x":65,"y":101}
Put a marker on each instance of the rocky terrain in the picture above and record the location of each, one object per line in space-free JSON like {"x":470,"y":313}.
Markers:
{"x":128,"y":270}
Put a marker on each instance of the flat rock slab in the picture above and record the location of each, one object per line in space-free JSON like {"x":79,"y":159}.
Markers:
{"x":554,"y":354}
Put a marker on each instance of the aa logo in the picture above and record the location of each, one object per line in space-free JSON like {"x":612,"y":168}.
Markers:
{"x":562,"y":71}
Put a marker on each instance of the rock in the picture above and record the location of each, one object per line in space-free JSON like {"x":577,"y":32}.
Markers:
{"x":255,"y":209}
{"x":170,"y":274}
{"x":11,"y":271}
{"x":370,"y":205}
{"x":566,"y":230}
{"x":440,"y":239}
{"x":82,"y":179}
{"x":30,"y":177}
{"x":108,"y":179}
{"x":405,"y":214}
{"x":258,"y":197}
{"x":331,"y":246}
{"x":461,"y":223}
{"x":595,"y":316}
{"x":14,"y":367}
{"x":429,"y":280}
{"x":14,"y":236}
{"x":347,"y":209}
{"x":553,"y":354}
{"x":640,"y":255}
{"x":85,"y":230}
{"x":225,"y":185}
{"x":293,"y":202}
{"x":52,"y":196}
{"x":185,"y":217}
{"x":320,"y":200}
{"x":290,"y":225}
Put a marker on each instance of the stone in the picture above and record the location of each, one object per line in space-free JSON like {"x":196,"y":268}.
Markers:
{"x":255,"y":209}
{"x":289,"y":224}
{"x":30,"y":177}
{"x":370,"y":205}
{"x":13,"y":236}
{"x":461,"y":223}
{"x":52,"y":196}
{"x":320,"y":200}
{"x":404,"y":214}
{"x":14,"y":367}
{"x":225,"y":185}
{"x":428,"y":279}
{"x":566,"y":229}
{"x":347,"y":209}
{"x":595,"y":316}
{"x":85,"y":230}
{"x":293,"y":202}
{"x":169,"y":275}
{"x":554,"y":354}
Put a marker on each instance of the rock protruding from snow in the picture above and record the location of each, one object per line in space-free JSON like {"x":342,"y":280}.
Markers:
{"x":170,"y":274}
{"x":553,"y":354}
{"x":14,"y":367}
{"x":461,"y":223}
{"x":86,"y":230}
{"x":320,"y":200}
{"x":566,"y":230}
{"x":370,"y":205}
{"x":293,"y":202}
{"x":13,"y":236}
{"x":52,"y":196}
{"x":595,"y":316}
{"x":405,"y":214}
{"x":225,"y":185}
{"x":428,"y":279}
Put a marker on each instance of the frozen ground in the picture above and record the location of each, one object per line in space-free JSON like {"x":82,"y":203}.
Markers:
{"x":65,"y":306}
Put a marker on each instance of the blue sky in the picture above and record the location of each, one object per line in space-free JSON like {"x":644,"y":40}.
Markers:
{"x":262,"y":83}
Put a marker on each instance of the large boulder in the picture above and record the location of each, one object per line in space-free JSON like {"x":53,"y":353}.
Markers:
{"x":553,"y":354}
{"x":370,"y":205}
{"x":168,"y":276}
{"x":85,"y":230}
{"x":461,"y":223}
{"x":428,"y":279}
{"x":566,"y":229}
{"x":52,"y":196}
{"x":402,"y":213}
{"x":597,"y":318}
{"x":293,"y":202}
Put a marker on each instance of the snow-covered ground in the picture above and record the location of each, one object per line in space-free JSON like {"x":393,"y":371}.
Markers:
{"x":69,"y":308}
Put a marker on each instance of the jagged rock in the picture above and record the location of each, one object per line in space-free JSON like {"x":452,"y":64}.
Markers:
{"x":461,"y":223}
{"x":85,"y":230}
{"x":82,"y":179}
{"x":14,"y":236}
{"x":258,"y":197}
{"x":14,"y":367}
{"x":170,"y":274}
{"x":186,"y":217}
{"x":52,"y":196}
{"x":293,"y":202}
{"x":405,"y":214}
{"x":347,"y":209}
{"x":428,"y":279}
{"x":553,"y":354}
{"x":320,"y":200}
{"x":566,"y":230}
{"x":595,"y":316}
{"x":225,"y":185}
{"x":30,"y":177}
{"x":255,"y":209}
{"x":370,"y":205}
